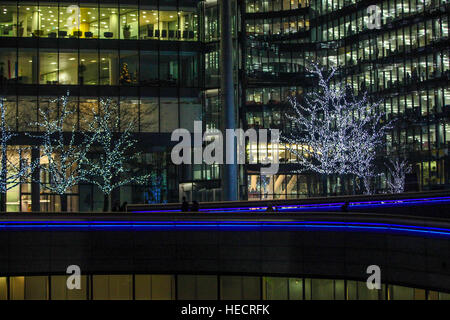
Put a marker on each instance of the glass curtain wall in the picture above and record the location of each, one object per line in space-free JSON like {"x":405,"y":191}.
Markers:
{"x":203,"y":287}
{"x":176,"y":21}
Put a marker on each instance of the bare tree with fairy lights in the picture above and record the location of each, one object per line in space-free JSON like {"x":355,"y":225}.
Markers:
{"x":116,"y":151}
{"x":366,"y":136}
{"x":62,"y":156}
{"x":398,"y":169}
{"x":14,"y":169}
{"x":334,"y":132}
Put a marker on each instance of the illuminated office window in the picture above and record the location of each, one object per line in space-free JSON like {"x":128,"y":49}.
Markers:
{"x":154,"y":287}
{"x":59,"y":290}
{"x":193,"y":287}
{"x":240,"y":288}
{"x":112,"y":287}
{"x":9,"y":25}
{"x":29,"y":288}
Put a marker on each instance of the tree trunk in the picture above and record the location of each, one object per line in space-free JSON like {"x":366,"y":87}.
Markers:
{"x":107,"y":203}
{"x":325,"y":184}
{"x":3,"y":202}
{"x":367,"y":185}
{"x":63,"y":199}
{"x":353,"y":185}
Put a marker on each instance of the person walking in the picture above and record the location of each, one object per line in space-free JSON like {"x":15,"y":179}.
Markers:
{"x":184,"y":205}
{"x":195,"y":206}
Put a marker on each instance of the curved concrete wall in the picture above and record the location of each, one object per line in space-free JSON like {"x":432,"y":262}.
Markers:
{"x":405,"y":259}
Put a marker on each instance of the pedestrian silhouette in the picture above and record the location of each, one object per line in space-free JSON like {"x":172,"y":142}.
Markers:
{"x":184,"y":205}
{"x":195,"y":206}
{"x":116,"y":206}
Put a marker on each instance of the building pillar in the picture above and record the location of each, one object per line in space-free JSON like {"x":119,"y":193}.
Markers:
{"x":24,"y":22}
{"x":181,"y":23}
{"x":15,"y":25}
{"x":35,"y":177}
{"x":114,"y":26}
{"x":36,"y":21}
{"x":229,"y":172}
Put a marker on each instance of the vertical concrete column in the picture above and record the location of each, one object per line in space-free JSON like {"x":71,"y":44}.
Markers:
{"x":230,"y":177}
{"x":182,"y":26}
{"x":114,"y":26}
{"x":113,"y":71}
{"x":15,"y":24}
{"x":35,"y":191}
{"x":36,"y":21}
{"x":25,"y":26}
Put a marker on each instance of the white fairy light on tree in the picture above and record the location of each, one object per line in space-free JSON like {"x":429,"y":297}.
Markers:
{"x":315,"y":140}
{"x":335,"y":133}
{"x":398,"y":169}
{"x":16,"y":169}
{"x":62,"y":157}
{"x":366,"y":136}
{"x":116,"y":149}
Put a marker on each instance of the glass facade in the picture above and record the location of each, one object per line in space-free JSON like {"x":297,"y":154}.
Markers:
{"x":160,"y":21}
{"x":274,"y":5}
{"x":203,"y":287}
{"x":146,"y":56}
{"x":156,"y":114}
{"x":92,"y":67}
{"x":405,"y":64}
{"x":160,"y":62}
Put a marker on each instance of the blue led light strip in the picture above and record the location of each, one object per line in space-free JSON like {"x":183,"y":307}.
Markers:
{"x":322,"y":206}
{"x":224,"y":225}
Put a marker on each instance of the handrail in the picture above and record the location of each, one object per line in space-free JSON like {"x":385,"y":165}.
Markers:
{"x":303,"y":201}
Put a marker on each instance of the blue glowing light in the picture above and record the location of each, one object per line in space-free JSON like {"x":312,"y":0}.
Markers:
{"x":223,"y":225}
{"x":320,"y":206}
